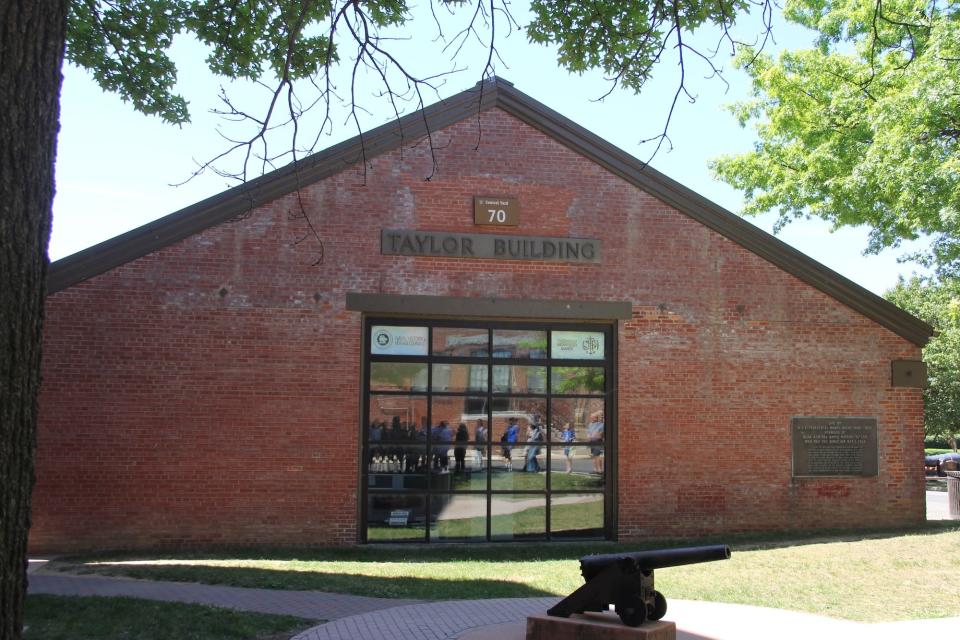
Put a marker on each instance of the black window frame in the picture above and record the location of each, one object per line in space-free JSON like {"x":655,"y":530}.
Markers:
{"x":550,"y":446}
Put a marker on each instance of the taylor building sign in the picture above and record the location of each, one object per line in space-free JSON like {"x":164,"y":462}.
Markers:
{"x":441,"y":244}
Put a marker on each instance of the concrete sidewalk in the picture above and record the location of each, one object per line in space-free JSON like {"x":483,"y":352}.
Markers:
{"x":717,"y":621}
{"x":313,"y":605}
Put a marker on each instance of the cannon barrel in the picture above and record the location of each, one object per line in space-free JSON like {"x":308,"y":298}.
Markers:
{"x":590,"y":566}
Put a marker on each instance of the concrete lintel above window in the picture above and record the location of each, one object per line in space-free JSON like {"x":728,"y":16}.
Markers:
{"x":462,"y":306}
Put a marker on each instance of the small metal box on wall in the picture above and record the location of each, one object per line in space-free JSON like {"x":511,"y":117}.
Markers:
{"x":908,"y":373}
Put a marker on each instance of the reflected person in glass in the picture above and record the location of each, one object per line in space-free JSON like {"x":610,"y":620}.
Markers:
{"x":568,"y":435}
{"x":534,"y":438}
{"x":509,"y":439}
{"x":480,"y":435}
{"x":441,"y":461}
{"x":460,"y":451}
{"x":595,"y":436}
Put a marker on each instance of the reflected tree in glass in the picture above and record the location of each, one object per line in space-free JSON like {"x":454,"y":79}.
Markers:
{"x":398,"y":376}
{"x":577,"y":380}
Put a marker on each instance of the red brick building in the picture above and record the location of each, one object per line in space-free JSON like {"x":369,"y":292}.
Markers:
{"x":208,"y":381}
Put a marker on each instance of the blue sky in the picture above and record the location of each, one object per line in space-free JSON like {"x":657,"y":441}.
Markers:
{"x":115,"y":167}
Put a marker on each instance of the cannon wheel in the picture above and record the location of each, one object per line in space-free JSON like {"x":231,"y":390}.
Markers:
{"x":632,"y":609}
{"x":659,"y":606}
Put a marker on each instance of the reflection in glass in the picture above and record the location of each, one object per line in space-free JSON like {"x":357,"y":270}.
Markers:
{"x":575,"y":468}
{"x":520,"y":411}
{"x":576,"y":380}
{"x":440,"y":479}
{"x":398,"y":376}
{"x":513,"y":422}
{"x":392,"y":458}
{"x":458,"y":517}
{"x":502,"y":479}
{"x":523,"y":343}
{"x":576,"y":516}
{"x":472,"y":477}
{"x":518,"y":516}
{"x":428,"y":478}
{"x":577,"y":414}
{"x":460,"y":377}
{"x":396,"y":518}
{"x":510,"y":379}
{"x":397,"y":418}
{"x":452,"y":449}
{"x":441,"y":449}
{"x":461,"y":342}
{"x":470,"y":411}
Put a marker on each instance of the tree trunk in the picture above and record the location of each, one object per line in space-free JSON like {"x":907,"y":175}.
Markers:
{"x":32,"y":36}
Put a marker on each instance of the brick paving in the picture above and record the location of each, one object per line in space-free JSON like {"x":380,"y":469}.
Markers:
{"x":504,"y":619}
{"x":428,"y":621}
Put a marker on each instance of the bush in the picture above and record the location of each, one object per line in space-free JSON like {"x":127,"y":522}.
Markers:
{"x":937,"y":442}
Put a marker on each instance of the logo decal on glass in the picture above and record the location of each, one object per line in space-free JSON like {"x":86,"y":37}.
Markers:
{"x":591,"y":345}
{"x":399,"y":341}
{"x":576,"y":345}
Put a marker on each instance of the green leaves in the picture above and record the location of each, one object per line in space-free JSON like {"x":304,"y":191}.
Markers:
{"x":862,"y":129}
{"x":938,"y":303}
{"x":251,"y":39}
{"x":124,"y":43}
{"x":624,"y":39}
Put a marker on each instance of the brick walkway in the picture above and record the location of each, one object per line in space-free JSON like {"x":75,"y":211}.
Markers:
{"x":505,"y":620}
{"x":428,"y":621}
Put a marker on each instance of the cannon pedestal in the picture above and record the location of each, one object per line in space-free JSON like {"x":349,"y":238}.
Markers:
{"x":596,"y":626}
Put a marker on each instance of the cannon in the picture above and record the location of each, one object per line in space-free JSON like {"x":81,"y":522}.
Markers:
{"x":625,"y":580}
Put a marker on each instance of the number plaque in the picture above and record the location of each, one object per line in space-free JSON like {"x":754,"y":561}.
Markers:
{"x":498,"y":211}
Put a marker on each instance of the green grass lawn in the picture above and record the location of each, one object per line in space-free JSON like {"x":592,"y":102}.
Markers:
{"x":581,"y":520}
{"x":878,"y":577}
{"x":522,"y":481}
{"x":74,"y":618}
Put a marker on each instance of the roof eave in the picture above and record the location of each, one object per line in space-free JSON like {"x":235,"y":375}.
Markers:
{"x":713,"y":216}
{"x":485,"y":95}
{"x":246,"y":197}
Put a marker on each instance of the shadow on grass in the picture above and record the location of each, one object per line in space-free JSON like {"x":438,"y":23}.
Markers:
{"x":413,"y":587}
{"x":347,"y":570}
{"x":50,"y":617}
{"x":509,"y":551}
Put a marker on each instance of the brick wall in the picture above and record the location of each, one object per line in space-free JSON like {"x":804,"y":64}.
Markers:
{"x":208,"y":393}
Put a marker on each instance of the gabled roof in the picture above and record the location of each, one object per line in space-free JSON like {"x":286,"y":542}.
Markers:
{"x":500,"y":94}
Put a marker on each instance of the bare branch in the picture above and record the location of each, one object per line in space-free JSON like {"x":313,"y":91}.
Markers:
{"x":681,"y":88}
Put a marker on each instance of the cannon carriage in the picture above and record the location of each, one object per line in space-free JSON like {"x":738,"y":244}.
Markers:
{"x":625,"y":580}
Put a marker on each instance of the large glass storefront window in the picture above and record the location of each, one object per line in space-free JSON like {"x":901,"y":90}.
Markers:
{"x":486,"y":431}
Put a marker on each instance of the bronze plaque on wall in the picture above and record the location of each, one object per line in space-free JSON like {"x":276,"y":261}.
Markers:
{"x":500,"y":211}
{"x":834,"y":446}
